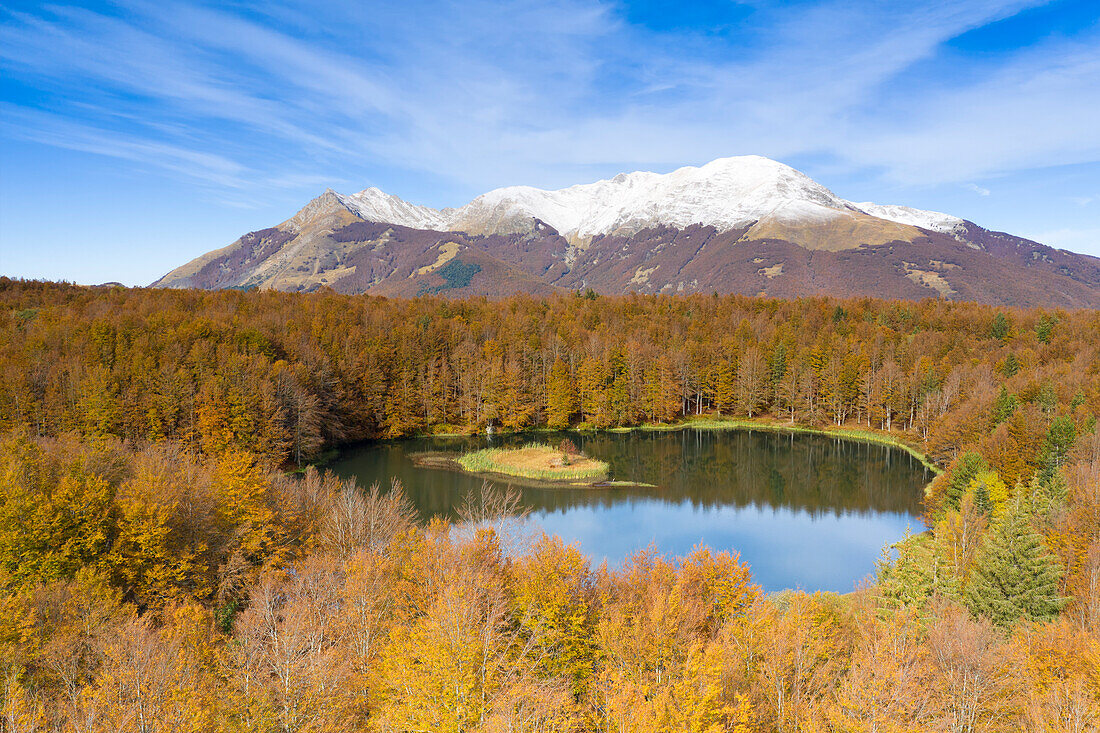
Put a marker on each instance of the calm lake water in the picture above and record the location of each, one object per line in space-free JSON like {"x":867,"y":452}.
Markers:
{"x":805,"y":511}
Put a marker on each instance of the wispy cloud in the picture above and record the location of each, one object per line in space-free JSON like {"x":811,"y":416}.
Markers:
{"x":980,"y":190}
{"x":1037,"y":110}
{"x":198,"y":165}
{"x":492,"y":93}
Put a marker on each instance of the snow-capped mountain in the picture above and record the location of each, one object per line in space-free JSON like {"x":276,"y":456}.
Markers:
{"x":373,"y":204}
{"x":727,"y":193}
{"x":744,"y":224}
{"x":932,"y":220}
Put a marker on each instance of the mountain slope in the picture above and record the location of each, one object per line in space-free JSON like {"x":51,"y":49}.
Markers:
{"x":747,"y":225}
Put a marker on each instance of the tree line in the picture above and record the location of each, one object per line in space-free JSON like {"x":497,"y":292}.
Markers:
{"x":287,"y":376}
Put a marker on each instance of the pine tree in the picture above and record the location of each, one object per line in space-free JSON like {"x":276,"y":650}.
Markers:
{"x":1060,"y":438}
{"x":916,"y":574}
{"x":969,"y":465}
{"x":1015,"y":577}
{"x":1044,"y":329}
{"x":1044,"y":496}
{"x":1047,"y":399}
{"x":1010,"y":366}
{"x":990,"y":493}
{"x":1001,"y":327}
{"x":1003,"y":407}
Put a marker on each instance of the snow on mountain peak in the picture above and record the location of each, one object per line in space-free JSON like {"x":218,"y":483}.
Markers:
{"x":726,"y":193}
{"x":377,"y":205}
{"x":932,"y":220}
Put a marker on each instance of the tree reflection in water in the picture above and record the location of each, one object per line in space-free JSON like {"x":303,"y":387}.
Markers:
{"x":804,"y":510}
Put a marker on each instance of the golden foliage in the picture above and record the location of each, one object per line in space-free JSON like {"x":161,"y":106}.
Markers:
{"x":159,"y":575}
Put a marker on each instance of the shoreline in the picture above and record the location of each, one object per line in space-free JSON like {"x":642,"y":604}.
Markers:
{"x":860,"y":435}
{"x":711,"y":422}
{"x":698,"y":422}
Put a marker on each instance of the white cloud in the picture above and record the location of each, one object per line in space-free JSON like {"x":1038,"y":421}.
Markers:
{"x":488,"y":94}
{"x":977,"y":189}
{"x":1038,"y":111}
{"x":201,"y":166}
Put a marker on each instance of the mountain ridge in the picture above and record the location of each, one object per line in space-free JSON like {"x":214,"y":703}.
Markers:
{"x":725,"y":193}
{"x":745,"y":224}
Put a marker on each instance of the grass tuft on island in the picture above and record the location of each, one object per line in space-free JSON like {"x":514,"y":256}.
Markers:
{"x":536,"y":465}
{"x":537,"y":461}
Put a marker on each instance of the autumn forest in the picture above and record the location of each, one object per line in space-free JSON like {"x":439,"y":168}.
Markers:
{"x":174,"y":557}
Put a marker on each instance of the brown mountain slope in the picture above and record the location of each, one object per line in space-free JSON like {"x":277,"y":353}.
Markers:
{"x":327,"y":244}
{"x":1004,"y":270}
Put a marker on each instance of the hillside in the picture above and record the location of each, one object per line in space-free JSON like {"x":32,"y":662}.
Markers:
{"x":743,"y":225}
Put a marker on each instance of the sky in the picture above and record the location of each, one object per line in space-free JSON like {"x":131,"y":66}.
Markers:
{"x":135,"y":136}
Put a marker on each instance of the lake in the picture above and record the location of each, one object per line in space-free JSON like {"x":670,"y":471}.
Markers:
{"x":805,"y":511}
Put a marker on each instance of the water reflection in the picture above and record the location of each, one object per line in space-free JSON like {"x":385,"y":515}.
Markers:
{"x":805,"y":511}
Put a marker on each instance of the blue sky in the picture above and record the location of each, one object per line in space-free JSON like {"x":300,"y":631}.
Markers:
{"x":137,"y":135}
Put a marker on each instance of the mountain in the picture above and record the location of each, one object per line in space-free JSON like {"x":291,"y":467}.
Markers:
{"x":743,"y":225}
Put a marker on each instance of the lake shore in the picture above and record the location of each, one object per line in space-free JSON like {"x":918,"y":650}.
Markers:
{"x":712,"y":422}
{"x":863,"y":435}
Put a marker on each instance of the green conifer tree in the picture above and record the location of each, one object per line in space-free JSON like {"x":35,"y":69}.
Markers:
{"x":1044,"y":496}
{"x":990,"y":493}
{"x":1047,"y":399}
{"x":1044,"y":329}
{"x":1003,"y":407}
{"x":1060,"y":438}
{"x":969,"y":465}
{"x":917,"y":573}
{"x":1015,"y":577}
{"x":1077,"y":401}
{"x":1010,"y":366}
{"x":1001,"y":327}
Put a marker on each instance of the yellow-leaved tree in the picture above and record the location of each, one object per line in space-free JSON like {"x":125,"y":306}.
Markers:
{"x":158,"y":553}
{"x":551,"y":602}
{"x":243,"y":501}
{"x":156,"y":680}
{"x":445,"y":666}
{"x":660,"y":668}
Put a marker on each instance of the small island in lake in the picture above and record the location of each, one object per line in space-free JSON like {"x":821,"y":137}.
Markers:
{"x":533,"y":464}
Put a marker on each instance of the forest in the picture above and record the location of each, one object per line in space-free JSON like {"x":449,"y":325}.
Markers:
{"x":172,"y":559}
